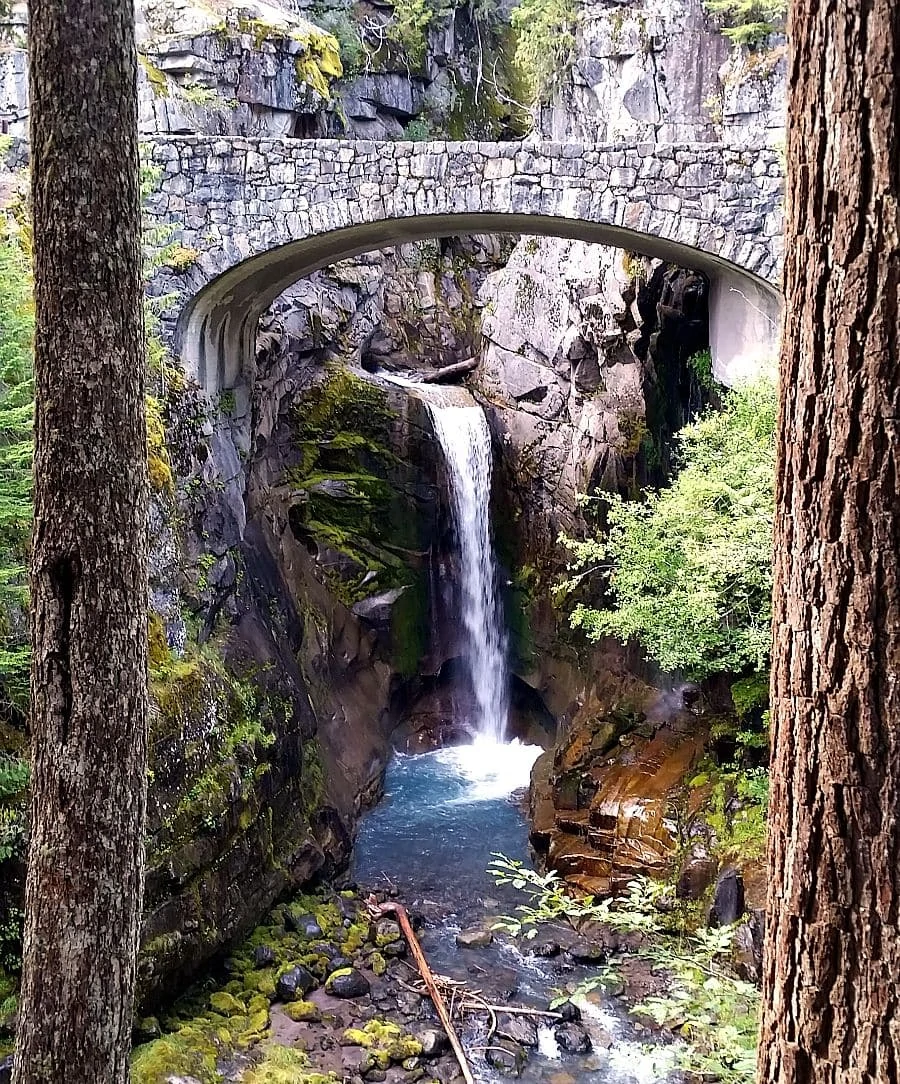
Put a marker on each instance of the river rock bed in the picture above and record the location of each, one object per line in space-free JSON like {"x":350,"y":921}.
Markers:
{"x":325,"y":991}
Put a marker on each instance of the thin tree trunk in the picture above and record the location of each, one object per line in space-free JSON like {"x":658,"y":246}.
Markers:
{"x":832,"y":972}
{"x":89,"y":593}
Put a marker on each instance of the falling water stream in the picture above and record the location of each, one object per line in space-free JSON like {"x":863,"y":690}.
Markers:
{"x":446,"y":812}
{"x":466,"y":443}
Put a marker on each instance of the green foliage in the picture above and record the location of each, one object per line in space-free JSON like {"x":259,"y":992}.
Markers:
{"x":750,"y":693}
{"x":419,"y":129}
{"x":739,"y":805}
{"x":701,"y":364}
{"x":345,"y":30}
{"x":409,"y":28}
{"x":545,"y":42}
{"x":748,"y":22}
{"x":715,"y":1013}
{"x":16,"y":449}
{"x":712,"y":1012}
{"x":689,"y":569}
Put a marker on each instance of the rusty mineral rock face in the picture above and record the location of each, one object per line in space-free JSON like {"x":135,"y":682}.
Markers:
{"x":606,"y":804}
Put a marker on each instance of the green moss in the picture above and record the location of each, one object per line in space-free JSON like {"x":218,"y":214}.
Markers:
{"x":317,"y":65}
{"x":179,"y":258}
{"x":159,"y":84}
{"x":285,"y":1065}
{"x":302,"y":1010}
{"x":227,"y":1004}
{"x":378,"y":964}
{"x":750,"y":693}
{"x":188,"y":1052}
{"x":158,"y":465}
{"x":355,"y":939}
{"x":157,"y":644}
{"x":385,"y":1040}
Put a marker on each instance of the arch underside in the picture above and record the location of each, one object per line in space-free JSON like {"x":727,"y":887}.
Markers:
{"x":216,"y":330}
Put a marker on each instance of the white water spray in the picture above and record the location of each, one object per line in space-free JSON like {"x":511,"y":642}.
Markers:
{"x":466,"y":441}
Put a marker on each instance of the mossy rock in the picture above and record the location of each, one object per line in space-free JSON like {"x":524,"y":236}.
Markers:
{"x":301,"y":1011}
{"x":285,"y":1065}
{"x":378,"y":964}
{"x":188,"y":1052}
{"x":385,"y":1041}
{"x":227,"y":1004}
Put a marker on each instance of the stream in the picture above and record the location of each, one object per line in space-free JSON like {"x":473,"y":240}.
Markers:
{"x":431,"y":840}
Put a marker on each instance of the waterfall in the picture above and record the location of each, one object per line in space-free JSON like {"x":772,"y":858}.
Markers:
{"x":466,"y":442}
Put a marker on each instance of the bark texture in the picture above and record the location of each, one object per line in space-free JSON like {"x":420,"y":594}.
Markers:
{"x":832,"y":973}
{"x":89,"y":565}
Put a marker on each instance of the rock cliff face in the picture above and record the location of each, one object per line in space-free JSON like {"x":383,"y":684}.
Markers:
{"x":300,"y":525}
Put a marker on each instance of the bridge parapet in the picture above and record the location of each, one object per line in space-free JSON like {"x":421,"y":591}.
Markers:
{"x":262,"y":213}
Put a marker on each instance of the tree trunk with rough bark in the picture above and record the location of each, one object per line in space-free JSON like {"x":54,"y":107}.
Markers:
{"x":832,"y":973}
{"x":89,"y":563}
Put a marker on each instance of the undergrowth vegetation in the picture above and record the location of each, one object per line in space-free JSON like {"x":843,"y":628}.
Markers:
{"x":701,"y":1001}
{"x":748,"y":22}
{"x":688,"y":569}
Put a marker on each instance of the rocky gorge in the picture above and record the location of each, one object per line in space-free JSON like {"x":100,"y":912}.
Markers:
{"x":304,"y":563}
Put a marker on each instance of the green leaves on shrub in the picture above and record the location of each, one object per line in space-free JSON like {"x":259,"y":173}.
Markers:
{"x":689,"y":569}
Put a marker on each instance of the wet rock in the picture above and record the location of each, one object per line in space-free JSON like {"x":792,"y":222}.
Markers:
{"x":748,"y":948}
{"x":294,"y":984}
{"x":348,"y":983}
{"x":519,"y":1029}
{"x":394,"y":950}
{"x":387,"y":931}
{"x":434,"y":1042}
{"x":728,"y":901}
{"x":474,"y":938}
{"x":572,"y":1038}
{"x":305,"y":925}
{"x":696,"y":875}
{"x":569,"y":1012}
{"x":376,"y":1074}
{"x":506,"y":1056}
{"x":587,"y":952}
{"x":503,"y":982}
{"x":264,"y":956}
{"x":145,"y":1031}
{"x":6,"y":1067}
{"x":338,"y":963}
{"x":408,"y":1003}
{"x":546,"y":950}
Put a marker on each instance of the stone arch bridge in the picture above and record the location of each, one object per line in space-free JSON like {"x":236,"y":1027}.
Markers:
{"x":264,"y":213}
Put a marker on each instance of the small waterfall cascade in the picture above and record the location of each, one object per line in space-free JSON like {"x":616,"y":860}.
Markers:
{"x":466,"y":442}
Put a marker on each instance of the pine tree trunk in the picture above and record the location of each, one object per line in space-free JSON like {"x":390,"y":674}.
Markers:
{"x":89,"y":590}
{"x":832,"y":972}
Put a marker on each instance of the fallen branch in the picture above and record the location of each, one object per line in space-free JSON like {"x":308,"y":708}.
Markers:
{"x":399,"y":911}
{"x":449,"y":371}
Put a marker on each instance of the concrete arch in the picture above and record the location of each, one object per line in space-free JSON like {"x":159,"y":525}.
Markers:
{"x":262,"y":214}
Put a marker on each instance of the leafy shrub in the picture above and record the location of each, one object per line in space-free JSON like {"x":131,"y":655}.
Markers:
{"x":16,"y":449}
{"x":545,"y":42}
{"x":689,"y":568}
{"x":748,"y":22}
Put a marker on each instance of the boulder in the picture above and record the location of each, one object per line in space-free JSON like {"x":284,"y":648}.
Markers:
{"x":474,"y":938}
{"x":305,"y":925}
{"x":347,"y":983}
{"x":294,"y":984}
{"x":728,"y":900}
{"x":587,"y":952}
{"x":572,"y":1038}
{"x":434,"y":1042}
{"x":508,"y":1057}
{"x":518,"y":1029}
{"x":264,"y":956}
